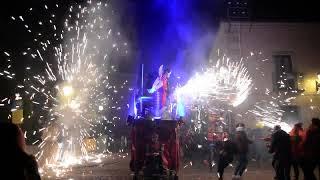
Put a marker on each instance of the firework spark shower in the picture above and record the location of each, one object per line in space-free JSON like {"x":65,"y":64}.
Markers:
{"x":71,"y":92}
{"x":227,"y":82}
{"x":270,"y":114}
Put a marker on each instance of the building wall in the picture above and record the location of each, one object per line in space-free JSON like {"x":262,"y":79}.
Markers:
{"x":257,"y":42}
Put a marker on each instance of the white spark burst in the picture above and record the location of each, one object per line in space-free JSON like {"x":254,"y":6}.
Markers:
{"x":270,"y":114}
{"x":227,"y":82}
{"x":71,"y":93}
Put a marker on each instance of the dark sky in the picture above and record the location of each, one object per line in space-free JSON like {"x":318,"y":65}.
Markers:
{"x":285,"y":10}
{"x":272,"y":10}
{"x":12,"y":35}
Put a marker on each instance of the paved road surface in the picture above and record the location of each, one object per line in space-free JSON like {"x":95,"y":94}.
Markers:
{"x":117,"y":169}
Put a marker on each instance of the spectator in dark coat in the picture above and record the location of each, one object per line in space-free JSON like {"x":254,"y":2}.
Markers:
{"x":15,"y":162}
{"x":311,"y":150}
{"x":281,"y":149}
{"x":225,"y":155}
{"x":296,"y":135}
{"x":242,"y":144}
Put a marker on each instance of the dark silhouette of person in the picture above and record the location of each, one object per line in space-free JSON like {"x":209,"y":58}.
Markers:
{"x":242,"y":143}
{"x":296,"y":135}
{"x":155,"y":160}
{"x":226,"y":154}
{"x":281,"y":149}
{"x":15,"y":162}
{"x":311,"y":150}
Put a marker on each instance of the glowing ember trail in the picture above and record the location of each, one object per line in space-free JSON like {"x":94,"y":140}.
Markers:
{"x":270,"y":114}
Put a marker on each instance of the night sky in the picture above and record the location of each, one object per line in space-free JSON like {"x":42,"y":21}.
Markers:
{"x":13,"y":36}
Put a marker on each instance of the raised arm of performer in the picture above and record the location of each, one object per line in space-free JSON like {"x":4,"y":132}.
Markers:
{"x":158,"y":82}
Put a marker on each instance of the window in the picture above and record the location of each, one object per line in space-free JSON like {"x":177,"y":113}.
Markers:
{"x":284,"y":78}
{"x":238,"y":9}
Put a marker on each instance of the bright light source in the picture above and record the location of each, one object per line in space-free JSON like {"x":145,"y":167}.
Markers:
{"x":100,"y":108}
{"x":67,"y":91}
